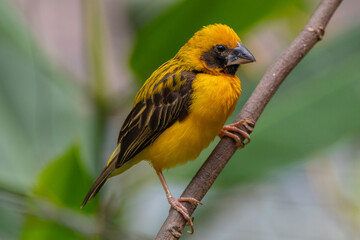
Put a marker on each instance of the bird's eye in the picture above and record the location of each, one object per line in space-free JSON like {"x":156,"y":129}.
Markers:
{"x":220,"y":48}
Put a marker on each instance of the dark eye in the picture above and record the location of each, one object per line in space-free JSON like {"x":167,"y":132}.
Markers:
{"x":220,"y":48}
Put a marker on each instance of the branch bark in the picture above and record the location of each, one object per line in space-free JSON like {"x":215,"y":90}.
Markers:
{"x":274,"y":76}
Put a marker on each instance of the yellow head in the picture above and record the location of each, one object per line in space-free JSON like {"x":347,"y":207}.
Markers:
{"x":216,"y":49}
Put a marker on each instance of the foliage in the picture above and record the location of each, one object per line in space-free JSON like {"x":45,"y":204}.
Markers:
{"x":53,"y":186}
{"x":38,"y":106}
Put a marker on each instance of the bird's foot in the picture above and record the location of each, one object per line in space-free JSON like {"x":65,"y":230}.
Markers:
{"x":228,"y":130}
{"x":176,"y":204}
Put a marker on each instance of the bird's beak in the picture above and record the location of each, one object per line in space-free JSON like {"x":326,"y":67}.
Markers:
{"x":240,"y":55}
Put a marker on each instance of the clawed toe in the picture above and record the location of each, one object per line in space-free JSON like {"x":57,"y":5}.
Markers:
{"x":190,"y":199}
{"x":229,"y":130}
{"x":175,"y":203}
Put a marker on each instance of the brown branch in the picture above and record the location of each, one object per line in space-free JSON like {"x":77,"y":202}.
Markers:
{"x":275,"y":75}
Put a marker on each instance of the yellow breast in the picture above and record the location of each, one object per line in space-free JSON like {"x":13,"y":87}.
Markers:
{"x":213,"y":101}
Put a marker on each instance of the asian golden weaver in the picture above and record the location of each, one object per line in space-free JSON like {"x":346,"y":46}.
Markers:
{"x":181,"y":107}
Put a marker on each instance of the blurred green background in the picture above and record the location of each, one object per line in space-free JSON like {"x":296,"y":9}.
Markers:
{"x":70,"y":69}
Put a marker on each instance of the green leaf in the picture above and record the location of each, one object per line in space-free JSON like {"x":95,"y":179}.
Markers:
{"x":163,"y":37}
{"x":65,"y":183}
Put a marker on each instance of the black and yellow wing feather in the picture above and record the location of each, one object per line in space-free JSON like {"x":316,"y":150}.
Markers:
{"x":159,"y":105}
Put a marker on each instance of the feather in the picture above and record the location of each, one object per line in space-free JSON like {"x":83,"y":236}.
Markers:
{"x":147,"y":120}
{"x":151,"y":117}
{"x":99,"y":182}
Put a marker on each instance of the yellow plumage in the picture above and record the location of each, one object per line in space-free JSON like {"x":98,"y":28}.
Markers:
{"x":213,"y":102}
{"x":181,"y":107}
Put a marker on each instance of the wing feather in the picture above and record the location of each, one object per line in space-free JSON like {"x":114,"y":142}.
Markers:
{"x":151,"y":117}
{"x":152,"y":114}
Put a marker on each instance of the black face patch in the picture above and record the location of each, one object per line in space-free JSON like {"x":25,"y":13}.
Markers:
{"x":216,"y":58}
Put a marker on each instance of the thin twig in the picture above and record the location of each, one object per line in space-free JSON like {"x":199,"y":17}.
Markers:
{"x":275,"y":75}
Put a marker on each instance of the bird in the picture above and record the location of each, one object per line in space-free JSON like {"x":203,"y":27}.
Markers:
{"x":181,"y":108}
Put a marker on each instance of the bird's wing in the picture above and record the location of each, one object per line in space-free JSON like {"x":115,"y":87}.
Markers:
{"x":152,"y":116}
{"x":161,"y":104}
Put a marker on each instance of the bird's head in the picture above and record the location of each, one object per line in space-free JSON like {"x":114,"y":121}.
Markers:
{"x":216,"y":49}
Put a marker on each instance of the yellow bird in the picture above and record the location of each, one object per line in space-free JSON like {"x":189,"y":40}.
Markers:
{"x":181,"y":108}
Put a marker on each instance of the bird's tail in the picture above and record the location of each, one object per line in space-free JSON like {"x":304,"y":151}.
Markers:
{"x":99,"y":182}
{"x":104,"y":175}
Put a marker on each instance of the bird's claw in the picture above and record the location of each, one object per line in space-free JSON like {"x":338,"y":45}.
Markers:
{"x":176,"y":204}
{"x":190,"y":199}
{"x":228,"y":130}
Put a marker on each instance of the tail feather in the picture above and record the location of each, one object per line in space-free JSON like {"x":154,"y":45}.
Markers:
{"x":99,"y":182}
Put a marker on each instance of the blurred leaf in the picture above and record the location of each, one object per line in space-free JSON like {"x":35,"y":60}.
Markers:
{"x":65,"y":183}
{"x":319,"y":108}
{"x":40,"y":111}
{"x":163,"y":37}
{"x":37,"y":228}
{"x":11,"y":27}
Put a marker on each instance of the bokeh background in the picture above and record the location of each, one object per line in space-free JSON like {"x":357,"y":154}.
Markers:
{"x":70,"y":69}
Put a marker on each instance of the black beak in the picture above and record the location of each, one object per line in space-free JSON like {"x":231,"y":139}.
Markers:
{"x":240,"y":55}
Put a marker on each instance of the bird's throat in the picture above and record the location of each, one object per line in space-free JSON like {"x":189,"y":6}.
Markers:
{"x":231,"y":69}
